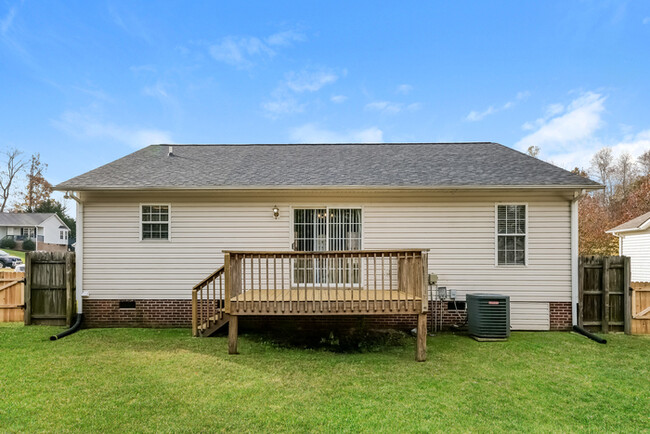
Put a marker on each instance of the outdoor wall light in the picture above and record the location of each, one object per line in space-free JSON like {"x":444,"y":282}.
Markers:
{"x":276,"y":212}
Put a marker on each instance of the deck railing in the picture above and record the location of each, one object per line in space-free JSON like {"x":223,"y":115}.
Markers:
{"x":335,"y":282}
{"x":208,"y":301}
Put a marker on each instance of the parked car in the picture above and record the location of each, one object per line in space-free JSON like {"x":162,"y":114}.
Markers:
{"x":6,"y":260}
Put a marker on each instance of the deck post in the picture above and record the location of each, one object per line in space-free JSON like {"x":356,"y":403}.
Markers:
{"x":421,"y":347}
{"x":232,"y":334}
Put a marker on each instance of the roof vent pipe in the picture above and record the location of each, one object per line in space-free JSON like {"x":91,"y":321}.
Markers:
{"x":171,"y":152}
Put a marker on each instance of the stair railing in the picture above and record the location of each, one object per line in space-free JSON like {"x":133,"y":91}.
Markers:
{"x":208,"y":301}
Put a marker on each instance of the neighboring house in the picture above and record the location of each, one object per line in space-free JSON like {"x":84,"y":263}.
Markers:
{"x":634,"y":241}
{"x":47,"y":230}
{"x":153,"y":224}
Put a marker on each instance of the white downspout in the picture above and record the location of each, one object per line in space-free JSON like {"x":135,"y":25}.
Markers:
{"x":79,"y":258}
{"x":574,"y":255}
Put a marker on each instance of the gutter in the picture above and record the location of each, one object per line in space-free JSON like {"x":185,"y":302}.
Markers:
{"x":79,"y":292}
{"x":63,"y":187}
{"x":574,"y":255}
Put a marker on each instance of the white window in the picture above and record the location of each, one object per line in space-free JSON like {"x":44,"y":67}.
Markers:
{"x":154,"y":222}
{"x":323,"y":229}
{"x":61,"y":234}
{"x":28,"y":232}
{"x":511,"y":230}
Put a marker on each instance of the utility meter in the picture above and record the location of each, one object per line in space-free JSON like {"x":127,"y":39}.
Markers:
{"x":433,"y":278}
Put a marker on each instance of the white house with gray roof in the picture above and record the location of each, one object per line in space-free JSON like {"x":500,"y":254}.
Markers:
{"x":634,"y":241}
{"x":42,"y":228}
{"x":489,"y":219}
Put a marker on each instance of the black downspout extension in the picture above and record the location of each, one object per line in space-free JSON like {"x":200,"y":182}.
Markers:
{"x":75,"y":327}
{"x":589,"y":335}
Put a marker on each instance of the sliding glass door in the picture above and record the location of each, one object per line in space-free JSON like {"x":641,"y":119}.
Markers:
{"x":323,"y":229}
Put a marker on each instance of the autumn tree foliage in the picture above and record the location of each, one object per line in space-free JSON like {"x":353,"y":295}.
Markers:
{"x":626,"y":196}
{"x":38,"y":189}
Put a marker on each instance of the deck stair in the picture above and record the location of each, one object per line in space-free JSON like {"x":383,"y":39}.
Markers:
{"x":208,"y":307}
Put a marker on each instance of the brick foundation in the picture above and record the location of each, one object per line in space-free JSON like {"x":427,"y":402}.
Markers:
{"x":560,"y":315}
{"x":147,"y":313}
{"x":178,"y":313}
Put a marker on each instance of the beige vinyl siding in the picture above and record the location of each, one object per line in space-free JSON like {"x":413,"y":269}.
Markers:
{"x":637,"y":247}
{"x":457,"y":227}
{"x":529,"y":316}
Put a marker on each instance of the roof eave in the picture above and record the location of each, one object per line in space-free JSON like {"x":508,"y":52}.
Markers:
{"x":332,"y":187}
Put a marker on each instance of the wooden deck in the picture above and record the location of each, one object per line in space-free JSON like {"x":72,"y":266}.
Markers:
{"x":324,"y":300}
{"x":364,"y":282}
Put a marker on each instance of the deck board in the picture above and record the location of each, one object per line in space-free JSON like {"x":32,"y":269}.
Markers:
{"x":305,"y":301}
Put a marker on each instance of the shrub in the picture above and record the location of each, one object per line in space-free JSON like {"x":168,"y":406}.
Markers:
{"x":29,"y":245}
{"x":7,"y":243}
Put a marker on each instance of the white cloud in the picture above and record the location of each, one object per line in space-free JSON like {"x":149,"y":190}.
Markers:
{"x":7,"y":20}
{"x":283,"y":98}
{"x":311,"y":133}
{"x":285,"y":38}
{"x":87,"y":127}
{"x":574,"y":125}
{"x":338,"y":98}
{"x":568,"y":134}
{"x":309,"y":80}
{"x":476,"y":115}
{"x":282,"y":105}
{"x":157,"y":91}
{"x":387,"y":107}
{"x":238,"y":51}
{"x":404,"y":89}
{"x":241,"y":51}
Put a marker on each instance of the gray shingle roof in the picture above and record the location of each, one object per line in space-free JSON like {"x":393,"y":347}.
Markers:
{"x":23,"y":219}
{"x":634,"y":224}
{"x":428,"y":165}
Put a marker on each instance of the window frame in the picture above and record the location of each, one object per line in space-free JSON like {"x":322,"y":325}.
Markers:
{"x":169,"y":222}
{"x":292,"y":240}
{"x":327,"y":208}
{"x":496,"y":235}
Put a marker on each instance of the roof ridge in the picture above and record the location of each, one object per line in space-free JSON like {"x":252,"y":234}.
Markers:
{"x":327,"y":144}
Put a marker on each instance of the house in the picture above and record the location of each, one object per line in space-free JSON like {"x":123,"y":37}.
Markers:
{"x":47,"y":230}
{"x":634,"y":241}
{"x":482,"y":217}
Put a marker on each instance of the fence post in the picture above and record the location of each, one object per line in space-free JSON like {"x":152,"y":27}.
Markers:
{"x":28,"y":288}
{"x":581,"y":290}
{"x":605,"y":299}
{"x":69,"y":264}
{"x":627,"y":292}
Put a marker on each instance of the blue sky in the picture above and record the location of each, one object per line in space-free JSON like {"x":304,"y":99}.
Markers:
{"x":84,"y":83}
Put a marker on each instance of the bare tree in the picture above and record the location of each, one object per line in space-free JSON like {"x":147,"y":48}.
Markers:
{"x":644,"y":162}
{"x":625,"y":173}
{"x":533,"y":151}
{"x":13,"y":167}
{"x":602,"y":166}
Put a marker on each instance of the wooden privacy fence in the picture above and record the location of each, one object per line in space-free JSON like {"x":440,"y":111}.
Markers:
{"x":640,"y":308}
{"x":604,"y":294}
{"x":12,"y":291}
{"x":49,"y":288}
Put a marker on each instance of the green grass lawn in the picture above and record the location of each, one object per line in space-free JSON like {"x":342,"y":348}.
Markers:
{"x":116,"y":380}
